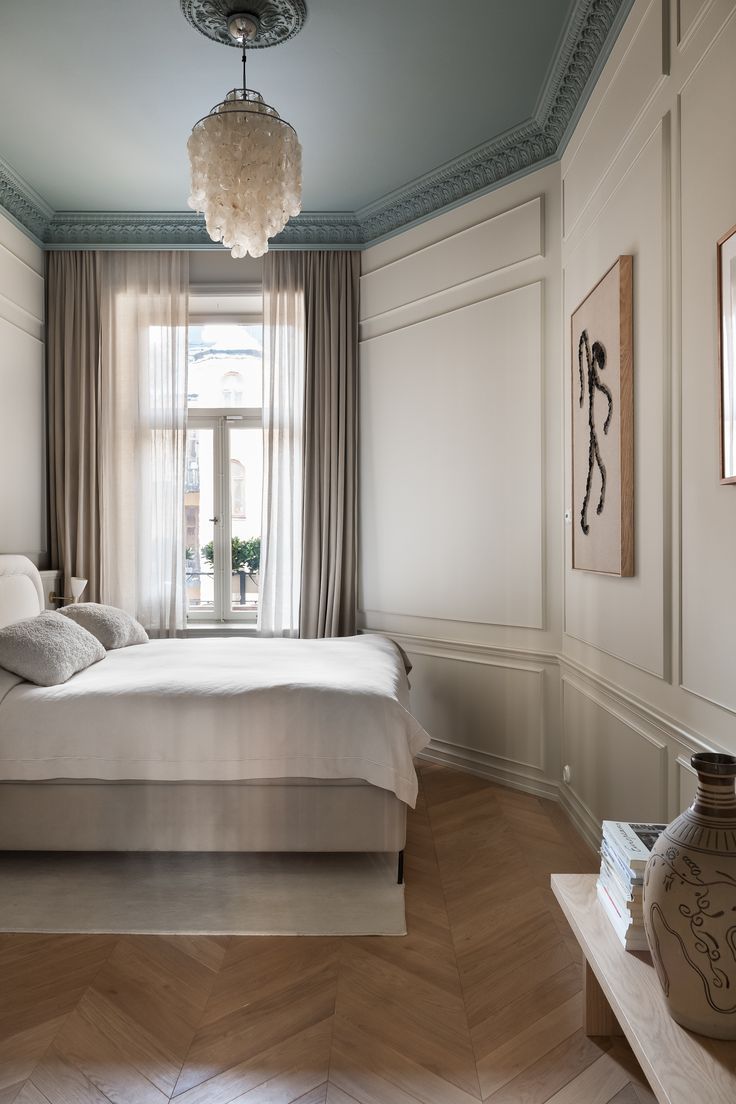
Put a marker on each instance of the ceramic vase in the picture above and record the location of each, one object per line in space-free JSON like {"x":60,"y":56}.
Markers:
{"x":690,"y":904}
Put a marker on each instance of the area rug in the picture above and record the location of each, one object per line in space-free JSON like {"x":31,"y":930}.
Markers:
{"x":201,"y":894}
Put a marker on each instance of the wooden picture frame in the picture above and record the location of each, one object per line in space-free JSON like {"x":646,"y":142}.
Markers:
{"x":726,"y":258}
{"x":602,"y":392}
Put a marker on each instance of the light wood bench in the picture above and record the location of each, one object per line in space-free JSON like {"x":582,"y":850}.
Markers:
{"x":621,"y":995}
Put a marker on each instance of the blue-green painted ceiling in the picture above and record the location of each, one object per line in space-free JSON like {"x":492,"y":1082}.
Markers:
{"x":98,"y":98}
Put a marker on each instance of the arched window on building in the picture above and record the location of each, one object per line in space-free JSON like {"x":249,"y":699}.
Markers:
{"x":237,"y":488}
{"x":233,"y":389}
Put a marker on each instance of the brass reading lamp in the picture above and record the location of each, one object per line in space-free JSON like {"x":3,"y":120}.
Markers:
{"x":77,"y":589}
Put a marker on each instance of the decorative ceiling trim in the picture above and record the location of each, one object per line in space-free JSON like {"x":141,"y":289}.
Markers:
{"x":278,"y":20}
{"x":27,"y":208}
{"x":591,"y":31}
{"x":172,"y":230}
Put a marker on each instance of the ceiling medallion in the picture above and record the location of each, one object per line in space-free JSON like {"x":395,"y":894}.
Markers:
{"x":245,"y":160}
{"x":278,"y":20}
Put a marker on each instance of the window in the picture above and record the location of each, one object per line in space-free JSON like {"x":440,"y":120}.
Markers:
{"x":224,"y":467}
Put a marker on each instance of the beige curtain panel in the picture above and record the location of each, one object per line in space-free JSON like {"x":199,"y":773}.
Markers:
{"x":329,"y":503}
{"x":310,"y":430}
{"x":117,"y":374}
{"x":73,"y":366}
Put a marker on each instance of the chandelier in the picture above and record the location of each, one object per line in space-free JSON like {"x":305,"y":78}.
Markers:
{"x":246,"y":163}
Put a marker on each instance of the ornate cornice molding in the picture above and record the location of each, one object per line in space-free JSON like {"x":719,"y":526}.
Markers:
{"x":25,"y":206}
{"x":171,"y":230}
{"x":591,"y":32}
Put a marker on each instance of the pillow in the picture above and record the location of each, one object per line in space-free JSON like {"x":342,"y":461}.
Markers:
{"x":113,"y":627}
{"x":47,"y":649}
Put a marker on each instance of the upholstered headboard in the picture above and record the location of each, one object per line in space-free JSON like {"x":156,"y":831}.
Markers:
{"x":21,"y":590}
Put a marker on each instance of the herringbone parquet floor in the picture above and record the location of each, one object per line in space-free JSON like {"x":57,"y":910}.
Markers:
{"x":481,"y":1001}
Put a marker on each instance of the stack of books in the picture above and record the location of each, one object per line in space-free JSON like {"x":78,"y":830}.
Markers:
{"x":624,"y":852}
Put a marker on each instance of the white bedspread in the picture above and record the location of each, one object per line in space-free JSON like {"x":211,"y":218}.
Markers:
{"x":211,"y":709}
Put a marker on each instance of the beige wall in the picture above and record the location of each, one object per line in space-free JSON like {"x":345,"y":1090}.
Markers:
{"x":647,"y":664}
{"x":23,"y":525}
{"x":460,"y":473}
{"x":618,"y":679}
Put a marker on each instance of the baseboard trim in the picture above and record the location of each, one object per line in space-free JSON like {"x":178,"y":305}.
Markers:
{"x":580,"y":816}
{"x":515,"y":776}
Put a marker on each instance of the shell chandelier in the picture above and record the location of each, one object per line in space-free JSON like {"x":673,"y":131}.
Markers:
{"x":246,"y":163}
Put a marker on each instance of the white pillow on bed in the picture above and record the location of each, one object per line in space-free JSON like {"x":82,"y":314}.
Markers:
{"x":113,"y":627}
{"x":47,"y":649}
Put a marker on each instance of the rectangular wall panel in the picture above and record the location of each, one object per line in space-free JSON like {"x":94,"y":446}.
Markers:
{"x":708,"y":508}
{"x":625,"y":617}
{"x":22,"y":442}
{"x":22,"y":405}
{"x":625,"y":96}
{"x":688,"y":11}
{"x":493,"y":709}
{"x":616,"y":771}
{"x":451,"y":465}
{"x":687,"y":783}
{"x":505,"y":239}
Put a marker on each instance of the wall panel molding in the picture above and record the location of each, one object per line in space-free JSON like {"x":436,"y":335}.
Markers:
{"x":660,"y":725}
{"x":600,"y":743}
{"x":488,"y":246}
{"x":21,"y":318}
{"x":520,"y":658}
{"x":457,"y":298}
{"x":690,"y":16}
{"x":634,"y":84}
{"x":686,"y":782}
{"x":477,"y":421}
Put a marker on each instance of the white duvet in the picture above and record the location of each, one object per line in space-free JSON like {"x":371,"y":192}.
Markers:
{"x":211,"y":710}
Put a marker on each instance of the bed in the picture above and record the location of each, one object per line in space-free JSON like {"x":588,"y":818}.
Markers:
{"x":208,"y":745}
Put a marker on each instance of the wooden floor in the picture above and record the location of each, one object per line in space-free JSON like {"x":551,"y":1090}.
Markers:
{"x":480,"y":1001}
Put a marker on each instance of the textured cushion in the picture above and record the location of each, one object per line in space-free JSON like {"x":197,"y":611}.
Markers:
{"x":47,"y":649}
{"x":113,"y":627}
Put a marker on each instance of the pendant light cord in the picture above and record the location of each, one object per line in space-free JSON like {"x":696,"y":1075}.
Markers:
{"x":244,"y":57}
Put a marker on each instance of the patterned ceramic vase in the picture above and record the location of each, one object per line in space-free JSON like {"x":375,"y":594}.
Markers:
{"x":690,"y":904}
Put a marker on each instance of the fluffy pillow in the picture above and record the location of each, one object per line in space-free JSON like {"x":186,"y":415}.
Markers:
{"x":47,"y":649}
{"x":113,"y":627}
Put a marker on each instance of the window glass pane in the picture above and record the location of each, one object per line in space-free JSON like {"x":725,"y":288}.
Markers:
{"x":225,"y":365}
{"x":246,"y":478}
{"x":198,"y":512}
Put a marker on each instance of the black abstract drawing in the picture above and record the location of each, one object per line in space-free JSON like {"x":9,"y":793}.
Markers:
{"x":595,"y":362}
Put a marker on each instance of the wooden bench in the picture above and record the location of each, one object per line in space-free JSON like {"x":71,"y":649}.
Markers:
{"x":621,"y":995}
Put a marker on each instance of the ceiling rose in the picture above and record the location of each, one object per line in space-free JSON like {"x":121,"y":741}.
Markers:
{"x":245,"y":160}
{"x":278,"y":20}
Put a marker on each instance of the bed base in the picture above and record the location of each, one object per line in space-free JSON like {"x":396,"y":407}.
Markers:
{"x":305,"y":815}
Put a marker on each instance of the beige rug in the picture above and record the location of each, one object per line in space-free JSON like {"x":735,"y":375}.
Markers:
{"x":201,"y":894}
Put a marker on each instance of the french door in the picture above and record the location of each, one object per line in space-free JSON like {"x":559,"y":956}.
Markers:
{"x":222,"y":506}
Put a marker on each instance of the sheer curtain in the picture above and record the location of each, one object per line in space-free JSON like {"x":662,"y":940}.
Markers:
{"x":142,"y":428}
{"x":283,"y":443}
{"x":309,"y":554}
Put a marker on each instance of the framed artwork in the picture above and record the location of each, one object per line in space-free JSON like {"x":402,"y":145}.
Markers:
{"x":727,"y":358}
{"x":603,"y":425}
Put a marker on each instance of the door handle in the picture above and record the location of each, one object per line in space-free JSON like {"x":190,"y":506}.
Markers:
{"x":215,"y":519}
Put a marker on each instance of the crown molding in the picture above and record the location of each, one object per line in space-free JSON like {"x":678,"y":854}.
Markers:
{"x":26,"y":208}
{"x":591,"y":30}
{"x":172,"y":230}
